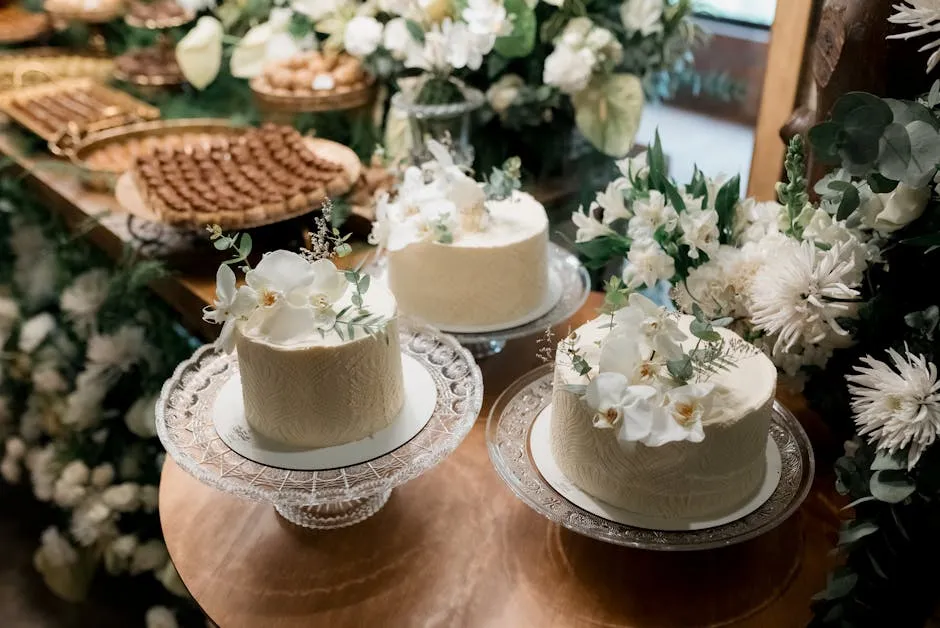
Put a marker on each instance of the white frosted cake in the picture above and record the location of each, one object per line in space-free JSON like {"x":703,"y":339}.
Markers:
{"x":460,"y":259}
{"x":319,"y":356}
{"x":629,"y":434}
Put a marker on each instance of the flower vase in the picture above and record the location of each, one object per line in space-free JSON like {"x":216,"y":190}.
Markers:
{"x":449,"y":123}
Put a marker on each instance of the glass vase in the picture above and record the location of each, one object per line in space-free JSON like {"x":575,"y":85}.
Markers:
{"x":447,"y":123}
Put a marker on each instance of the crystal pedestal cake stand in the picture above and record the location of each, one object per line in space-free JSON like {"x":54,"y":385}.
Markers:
{"x":508,"y":432}
{"x":571,"y":283}
{"x":321,"y":499}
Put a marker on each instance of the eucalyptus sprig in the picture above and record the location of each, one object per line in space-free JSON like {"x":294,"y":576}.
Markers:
{"x":711,"y":354}
{"x":238,"y":242}
{"x":502,"y":182}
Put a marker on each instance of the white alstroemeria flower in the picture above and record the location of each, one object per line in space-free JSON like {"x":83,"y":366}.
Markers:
{"x":503,"y":93}
{"x":897,"y":408}
{"x":230,"y":305}
{"x":264,"y":44}
{"x":487,"y":18}
{"x":363,"y":36}
{"x":611,"y":200}
{"x":699,"y":231}
{"x":316,"y":10}
{"x":901,"y":207}
{"x":450,"y":45}
{"x":651,"y":214}
{"x":634,"y":167}
{"x":35,"y":331}
{"x":660,"y":329}
{"x":804,"y":292}
{"x":199,"y":52}
{"x":754,"y":221}
{"x":569,"y":69}
{"x":589,"y":227}
{"x":642,"y":16}
{"x":685,"y":407}
{"x":84,"y":297}
{"x":398,"y":41}
{"x":648,"y":264}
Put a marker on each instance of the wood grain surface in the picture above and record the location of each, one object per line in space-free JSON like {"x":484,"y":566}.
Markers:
{"x":455,"y":548}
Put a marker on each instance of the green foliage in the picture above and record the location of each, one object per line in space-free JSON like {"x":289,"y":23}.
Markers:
{"x":502,"y":182}
{"x":725,"y":204}
{"x":521,"y":40}
{"x":793,"y":194}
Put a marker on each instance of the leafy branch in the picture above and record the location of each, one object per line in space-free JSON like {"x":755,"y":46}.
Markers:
{"x":238,"y":242}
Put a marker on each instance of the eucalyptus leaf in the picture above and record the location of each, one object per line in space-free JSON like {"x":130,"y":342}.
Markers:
{"x":891,"y":487}
{"x":925,"y":153}
{"x":858,"y":502}
{"x":880,"y":184}
{"x":722,"y":322}
{"x":879,"y":112}
{"x":608,"y":113}
{"x":826,"y":139}
{"x":521,"y":41}
{"x":855,"y":531}
{"x":415,"y":30}
{"x":933,"y":98}
{"x":704,"y":331}
{"x":577,"y":389}
{"x":681,"y":369}
{"x":905,"y":112}
{"x":244,"y":245}
{"x":885,"y":461}
{"x":849,"y":203}
{"x":364,"y":284}
{"x":222,"y":243}
{"x":926,"y":323}
{"x":895,"y":152}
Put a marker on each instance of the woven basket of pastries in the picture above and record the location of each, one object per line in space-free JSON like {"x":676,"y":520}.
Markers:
{"x":261,"y":177}
{"x":314,"y":81}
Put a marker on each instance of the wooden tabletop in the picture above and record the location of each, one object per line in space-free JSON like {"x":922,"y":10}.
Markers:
{"x":455,"y":548}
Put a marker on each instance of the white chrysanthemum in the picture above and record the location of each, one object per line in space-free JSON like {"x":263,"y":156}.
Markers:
{"x":83,"y":298}
{"x":803,"y":293}
{"x":923,"y":17}
{"x":897,"y":408}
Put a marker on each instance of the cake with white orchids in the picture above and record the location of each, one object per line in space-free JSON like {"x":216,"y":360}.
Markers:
{"x":318,"y":349}
{"x":464,"y":254}
{"x":661,"y":414}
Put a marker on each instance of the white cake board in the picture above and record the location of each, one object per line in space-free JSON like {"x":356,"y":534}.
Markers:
{"x":228,"y":416}
{"x":540,"y":442}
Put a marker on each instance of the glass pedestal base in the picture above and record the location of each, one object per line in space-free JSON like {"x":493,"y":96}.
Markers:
{"x":334,"y":515}
{"x":485,"y":349}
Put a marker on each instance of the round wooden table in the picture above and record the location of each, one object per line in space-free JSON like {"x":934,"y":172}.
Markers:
{"x":456,"y":548}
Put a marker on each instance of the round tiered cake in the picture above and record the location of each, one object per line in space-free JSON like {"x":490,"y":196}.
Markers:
{"x":462,"y":255}
{"x":626,"y":432}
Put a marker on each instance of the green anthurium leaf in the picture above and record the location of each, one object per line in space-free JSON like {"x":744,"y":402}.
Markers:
{"x":891,"y":486}
{"x":608,"y":113}
{"x":521,"y":41}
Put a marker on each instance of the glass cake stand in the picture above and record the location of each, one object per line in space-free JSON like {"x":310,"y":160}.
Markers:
{"x":574,"y":285}
{"x":508,"y":432}
{"x":321,"y":499}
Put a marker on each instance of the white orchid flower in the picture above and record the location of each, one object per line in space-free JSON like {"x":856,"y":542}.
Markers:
{"x":230,"y":304}
{"x":328,"y":285}
{"x":660,"y":330}
{"x":281,"y":276}
{"x":685,"y":407}
{"x":264,"y":44}
{"x":199,"y":52}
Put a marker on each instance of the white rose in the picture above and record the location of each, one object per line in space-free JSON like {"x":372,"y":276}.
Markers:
{"x":901,"y":207}
{"x":199,"y":52}
{"x":35,"y":331}
{"x":569,"y":70}
{"x":363,"y":36}
{"x":160,"y":617}
{"x":398,"y":41}
{"x":642,"y":16}
{"x":503,"y":93}
{"x":141,"y":417}
{"x":122,"y":497}
{"x":149,"y":556}
{"x":576,"y":32}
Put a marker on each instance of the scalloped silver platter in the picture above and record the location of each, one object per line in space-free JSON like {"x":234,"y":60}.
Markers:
{"x":574,"y":285}
{"x":507,"y":438}
{"x":186,"y":429}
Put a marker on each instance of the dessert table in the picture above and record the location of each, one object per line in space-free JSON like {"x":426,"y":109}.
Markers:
{"x":454,"y":547}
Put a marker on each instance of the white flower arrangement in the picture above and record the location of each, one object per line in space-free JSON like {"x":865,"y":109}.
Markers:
{"x":646,"y":385}
{"x":436,"y":202}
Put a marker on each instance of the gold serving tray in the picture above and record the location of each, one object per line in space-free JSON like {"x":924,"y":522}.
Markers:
{"x":90,"y":152}
{"x":33,"y":66}
{"x":84,"y":107}
{"x":333,"y":101}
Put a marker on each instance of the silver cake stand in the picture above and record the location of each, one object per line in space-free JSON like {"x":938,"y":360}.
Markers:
{"x":575,"y":286}
{"x":507,"y":436}
{"x":318,"y":499}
